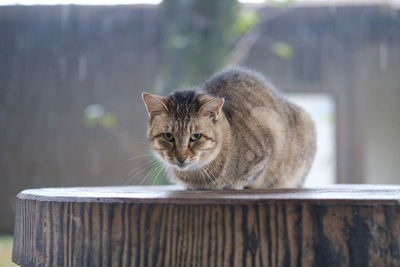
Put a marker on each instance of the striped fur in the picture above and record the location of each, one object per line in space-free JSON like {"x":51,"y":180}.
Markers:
{"x":250,"y":136}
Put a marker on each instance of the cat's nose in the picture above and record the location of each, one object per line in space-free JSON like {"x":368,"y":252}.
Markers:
{"x":181,"y":156}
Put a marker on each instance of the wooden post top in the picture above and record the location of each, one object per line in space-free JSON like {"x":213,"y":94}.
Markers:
{"x":335,"y":194}
{"x":341,"y":225}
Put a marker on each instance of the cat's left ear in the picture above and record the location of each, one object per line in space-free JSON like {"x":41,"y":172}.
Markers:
{"x":212,"y":107}
{"x":154,"y":104}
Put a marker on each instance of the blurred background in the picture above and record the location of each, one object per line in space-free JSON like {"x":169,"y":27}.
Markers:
{"x":71,"y":76}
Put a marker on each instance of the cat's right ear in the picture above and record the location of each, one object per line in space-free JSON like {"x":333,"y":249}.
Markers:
{"x":154,"y":104}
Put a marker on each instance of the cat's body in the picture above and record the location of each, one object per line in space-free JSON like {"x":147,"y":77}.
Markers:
{"x":249,"y":135}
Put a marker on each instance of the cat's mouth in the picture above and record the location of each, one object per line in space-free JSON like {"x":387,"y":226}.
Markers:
{"x":184,"y":166}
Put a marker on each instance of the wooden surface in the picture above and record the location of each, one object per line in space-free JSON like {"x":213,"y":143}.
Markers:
{"x":344,"y":225}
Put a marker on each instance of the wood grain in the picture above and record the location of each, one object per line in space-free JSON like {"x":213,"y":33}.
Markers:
{"x":164,"y":226}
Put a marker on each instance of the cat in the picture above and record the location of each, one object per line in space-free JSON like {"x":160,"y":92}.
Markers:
{"x":234,"y":132}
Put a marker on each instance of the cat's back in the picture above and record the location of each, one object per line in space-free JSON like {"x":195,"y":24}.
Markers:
{"x":242,"y":88}
{"x":268,"y":133}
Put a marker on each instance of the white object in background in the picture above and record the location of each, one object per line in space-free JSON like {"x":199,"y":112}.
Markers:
{"x":321,"y":107}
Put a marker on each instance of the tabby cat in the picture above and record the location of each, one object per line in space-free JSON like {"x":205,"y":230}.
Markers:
{"x":235,"y":132}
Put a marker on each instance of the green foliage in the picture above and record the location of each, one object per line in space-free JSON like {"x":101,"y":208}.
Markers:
{"x":96,"y":115}
{"x":282,"y":50}
{"x":178,"y":41}
{"x":5,"y":251}
{"x":245,"y":21}
{"x":197,"y":36}
{"x":108,"y":121}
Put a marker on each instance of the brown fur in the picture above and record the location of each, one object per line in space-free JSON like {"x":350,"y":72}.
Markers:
{"x":251,"y":137}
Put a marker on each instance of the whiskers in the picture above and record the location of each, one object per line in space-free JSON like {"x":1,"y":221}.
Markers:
{"x":223,"y":177}
{"x":159,"y":169}
{"x":209,"y":173}
{"x":205,"y":174}
{"x":152,"y":166}
{"x":141,"y":156}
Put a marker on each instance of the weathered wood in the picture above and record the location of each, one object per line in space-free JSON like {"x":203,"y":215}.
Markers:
{"x":346,"y":225}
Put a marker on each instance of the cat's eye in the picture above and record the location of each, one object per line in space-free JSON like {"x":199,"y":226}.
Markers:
{"x":168,"y":136}
{"x":195,"y":137}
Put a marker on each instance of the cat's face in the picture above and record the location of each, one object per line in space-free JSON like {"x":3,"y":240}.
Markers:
{"x":183,"y":129}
